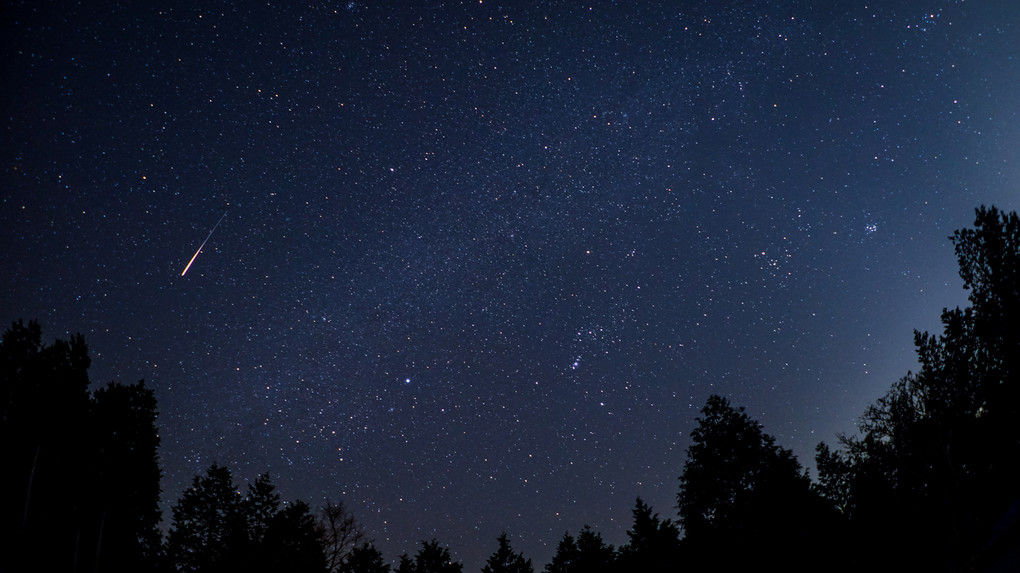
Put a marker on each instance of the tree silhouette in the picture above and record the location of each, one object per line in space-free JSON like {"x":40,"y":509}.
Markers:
{"x":593,"y":554}
{"x":929,"y":482}
{"x":989,"y":259}
{"x":293,"y":542}
{"x":565,"y":558}
{"x":81,"y":471}
{"x":209,"y":524}
{"x":277,"y":538}
{"x":739,"y":488}
{"x":732,"y":465}
{"x":215,"y":529}
{"x":365,"y":558}
{"x":124,"y":486}
{"x":45,"y":390}
{"x":406,"y":564}
{"x":938,"y":457}
{"x":504,"y":560}
{"x":260,"y":506}
{"x":431,"y":558}
{"x":653,"y":544}
{"x":341,"y":534}
{"x":586,"y":554}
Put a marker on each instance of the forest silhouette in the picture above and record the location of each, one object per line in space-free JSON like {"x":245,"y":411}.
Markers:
{"x":931,"y":480}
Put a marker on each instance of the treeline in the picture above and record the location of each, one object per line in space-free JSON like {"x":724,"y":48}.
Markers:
{"x":931,"y":481}
{"x":80,"y":469}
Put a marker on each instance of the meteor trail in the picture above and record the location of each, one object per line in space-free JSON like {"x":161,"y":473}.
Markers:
{"x":203,"y":244}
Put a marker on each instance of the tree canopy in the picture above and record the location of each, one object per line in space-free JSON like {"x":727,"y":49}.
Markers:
{"x":107,"y":517}
{"x":431,"y":558}
{"x":733,"y":469}
{"x":587,"y":553}
{"x":936,"y":461}
{"x":653,"y":544}
{"x":365,"y":558}
{"x":505,"y":560}
{"x":215,"y":529}
{"x":740,"y":489}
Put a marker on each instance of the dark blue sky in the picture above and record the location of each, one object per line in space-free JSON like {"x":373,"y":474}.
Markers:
{"x":482,"y":263}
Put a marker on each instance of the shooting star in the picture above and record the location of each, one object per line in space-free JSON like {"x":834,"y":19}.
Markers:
{"x":203,"y":244}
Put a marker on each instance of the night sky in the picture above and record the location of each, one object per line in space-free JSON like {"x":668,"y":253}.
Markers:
{"x":478,"y":266}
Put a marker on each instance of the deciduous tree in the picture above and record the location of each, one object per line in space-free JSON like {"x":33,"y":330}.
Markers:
{"x":739,"y":489}
{"x":732,"y":468}
{"x":936,"y":460}
{"x":341,"y":533}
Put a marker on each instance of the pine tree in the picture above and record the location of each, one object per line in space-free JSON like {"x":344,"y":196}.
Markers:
{"x":593,"y":554}
{"x":365,"y":558}
{"x":208,"y":525}
{"x":654,"y":544}
{"x":740,"y":489}
{"x":260,"y":506}
{"x":565,"y":558}
{"x":504,"y":560}
{"x":434,"y":558}
{"x":293,"y":542}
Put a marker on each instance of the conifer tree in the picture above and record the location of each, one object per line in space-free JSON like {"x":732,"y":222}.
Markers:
{"x":504,"y":560}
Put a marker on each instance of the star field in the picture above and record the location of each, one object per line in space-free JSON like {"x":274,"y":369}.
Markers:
{"x":483,"y":263}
